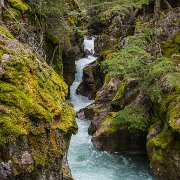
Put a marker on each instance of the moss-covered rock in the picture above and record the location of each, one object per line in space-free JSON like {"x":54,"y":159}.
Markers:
{"x":171,"y":46}
{"x":126,"y":93}
{"x":114,"y":18}
{"x":36,"y":121}
{"x":163,"y":139}
{"x":104,"y":43}
{"x":124,"y":131}
{"x":20,"y":5}
{"x":164,"y":154}
{"x":50,"y":29}
{"x":111,"y":137}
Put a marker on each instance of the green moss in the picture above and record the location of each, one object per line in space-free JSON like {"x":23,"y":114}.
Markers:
{"x":121,"y":89}
{"x":66,"y":124}
{"x":158,"y":155}
{"x":73,"y":18}
{"x":169,"y":109}
{"x":10,"y":95}
{"x":165,"y":102}
{"x":173,"y":115}
{"x":33,"y":94}
{"x":11,"y":128}
{"x":4,"y":50}
{"x":163,"y":139}
{"x":171,"y":46}
{"x":107,"y":79}
{"x":162,"y":150}
{"x":3,"y":30}
{"x":110,"y":127}
{"x":164,"y":147}
{"x":1,"y":54}
{"x":19,"y":5}
{"x":107,"y":54}
{"x":11,"y":14}
{"x":40,"y":149}
{"x":46,"y":149}
{"x":172,"y":80}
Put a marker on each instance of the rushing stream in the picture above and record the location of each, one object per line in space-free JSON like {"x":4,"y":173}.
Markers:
{"x":85,"y":161}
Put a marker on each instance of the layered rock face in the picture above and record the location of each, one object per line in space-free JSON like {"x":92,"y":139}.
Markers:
{"x":36,"y":121}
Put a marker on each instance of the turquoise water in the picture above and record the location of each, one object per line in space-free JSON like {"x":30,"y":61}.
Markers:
{"x":85,"y":161}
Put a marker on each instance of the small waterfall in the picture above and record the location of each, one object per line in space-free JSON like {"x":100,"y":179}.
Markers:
{"x":78,"y":100}
{"x":85,"y":161}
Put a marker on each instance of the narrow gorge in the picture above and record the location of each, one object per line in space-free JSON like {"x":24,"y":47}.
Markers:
{"x":89,"y":90}
{"x":84,"y":160}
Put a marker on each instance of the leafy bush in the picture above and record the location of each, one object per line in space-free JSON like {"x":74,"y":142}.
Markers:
{"x":129,"y":60}
{"x":133,"y":60}
{"x":132,"y":117}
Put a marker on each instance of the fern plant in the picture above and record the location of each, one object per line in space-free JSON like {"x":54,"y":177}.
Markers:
{"x":133,"y":117}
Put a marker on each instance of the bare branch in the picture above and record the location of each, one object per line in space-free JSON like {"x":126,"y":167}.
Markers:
{"x":169,"y":6}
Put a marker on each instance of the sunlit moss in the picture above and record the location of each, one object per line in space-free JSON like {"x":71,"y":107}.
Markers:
{"x":171,"y":46}
{"x":19,"y":5}
{"x":33,"y":94}
{"x":121,"y":89}
{"x":6,"y":32}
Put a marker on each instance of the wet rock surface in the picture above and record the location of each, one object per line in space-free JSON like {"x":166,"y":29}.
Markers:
{"x":92,"y":81}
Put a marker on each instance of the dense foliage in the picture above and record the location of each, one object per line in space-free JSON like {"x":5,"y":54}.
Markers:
{"x":133,"y":60}
{"x":112,"y":3}
{"x":132,"y":117}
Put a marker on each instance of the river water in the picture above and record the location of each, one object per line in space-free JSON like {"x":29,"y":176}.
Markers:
{"x":85,"y":161}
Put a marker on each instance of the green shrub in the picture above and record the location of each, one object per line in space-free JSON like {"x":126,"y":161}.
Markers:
{"x":133,"y":117}
{"x":133,"y":60}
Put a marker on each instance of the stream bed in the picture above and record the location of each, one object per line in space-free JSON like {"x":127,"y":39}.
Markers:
{"x":85,"y":161}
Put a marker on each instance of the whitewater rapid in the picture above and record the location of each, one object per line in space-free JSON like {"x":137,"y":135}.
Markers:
{"x":85,"y":161}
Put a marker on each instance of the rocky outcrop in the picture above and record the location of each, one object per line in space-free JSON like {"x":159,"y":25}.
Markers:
{"x":110,"y":132}
{"x":69,"y":57}
{"x":140,"y":115}
{"x":163,"y":140}
{"x":50,"y":34}
{"x":112,"y":138}
{"x":111,"y":22}
{"x":92,"y":81}
{"x":36,"y":121}
{"x":97,"y":111}
{"x":105,"y":43}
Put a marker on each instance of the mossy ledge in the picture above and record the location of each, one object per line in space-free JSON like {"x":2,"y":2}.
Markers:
{"x":36,"y":122}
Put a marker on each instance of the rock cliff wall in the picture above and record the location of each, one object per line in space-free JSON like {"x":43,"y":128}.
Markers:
{"x":136,"y":110}
{"x":36,"y":121}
